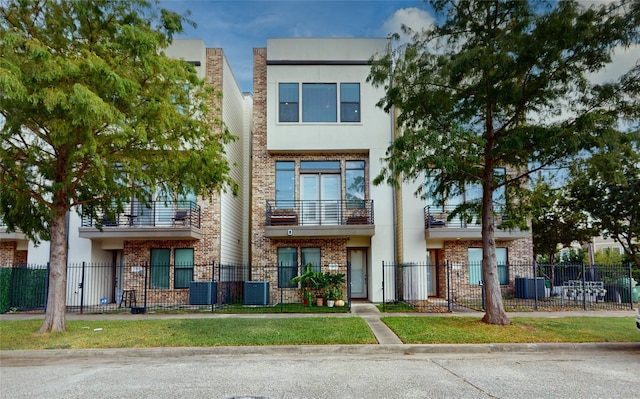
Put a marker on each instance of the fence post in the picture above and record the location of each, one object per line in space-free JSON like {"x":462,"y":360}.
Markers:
{"x":448,"y":269}
{"x":213,"y":282}
{"x":535,"y":285}
{"x":46,"y":287}
{"x":630,"y":286}
{"x":383,"y":290}
{"x":584,"y":288}
{"x":81,"y":289}
{"x":146,"y":274}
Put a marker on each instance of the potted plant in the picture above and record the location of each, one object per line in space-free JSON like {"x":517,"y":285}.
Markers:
{"x":309,"y":280}
{"x":334,"y":284}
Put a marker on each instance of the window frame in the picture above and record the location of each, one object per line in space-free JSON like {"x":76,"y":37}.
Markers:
{"x":344,"y":103}
{"x":503,"y":265}
{"x":315,"y":94}
{"x":288,"y":105}
{"x":182,"y":267}
{"x":284,"y":279}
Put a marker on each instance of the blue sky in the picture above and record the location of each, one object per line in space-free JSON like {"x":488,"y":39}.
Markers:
{"x":237,"y":26}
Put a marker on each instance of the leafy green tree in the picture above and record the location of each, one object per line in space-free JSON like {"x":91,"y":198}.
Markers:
{"x":496,"y":84}
{"x":607,"y":256}
{"x":607,"y":187}
{"x":556,"y":223}
{"x":94,"y":113}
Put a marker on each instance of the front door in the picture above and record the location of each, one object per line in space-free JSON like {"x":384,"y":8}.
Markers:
{"x":357,"y":258}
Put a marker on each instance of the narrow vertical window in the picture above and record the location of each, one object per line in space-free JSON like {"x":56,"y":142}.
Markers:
{"x":160,"y":266}
{"x":287,"y":266}
{"x":310,"y":255}
{"x":285,"y":184}
{"x":183,"y":267}
{"x":288,"y":102}
{"x":355,"y":184}
{"x":350,"y":102}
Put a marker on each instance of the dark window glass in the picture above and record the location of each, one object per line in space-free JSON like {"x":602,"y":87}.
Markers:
{"x":183,"y":267}
{"x":288,"y":102}
{"x":285,"y":184}
{"x":160,"y":265}
{"x":287,"y":267}
{"x":350,"y":102}
{"x":319,"y":102}
{"x":355,"y":187}
{"x":310,"y":255}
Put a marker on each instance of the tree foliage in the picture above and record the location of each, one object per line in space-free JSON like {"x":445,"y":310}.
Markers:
{"x":607,"y":188}
{"x":498,"y":84}
{"x":556,"y":222}
{"x":94,"y":113}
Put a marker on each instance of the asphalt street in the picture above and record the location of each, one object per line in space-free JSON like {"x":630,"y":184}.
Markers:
{"x":387,"y":370}
{"x":373,"y":371}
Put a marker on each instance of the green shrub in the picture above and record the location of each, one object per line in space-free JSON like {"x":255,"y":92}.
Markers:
{"x":5,"y":285}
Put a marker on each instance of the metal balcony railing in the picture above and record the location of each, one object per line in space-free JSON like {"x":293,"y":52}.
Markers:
{"x":319,"y":213}
{"x":153,"y":214}
{"x":435,"y":216}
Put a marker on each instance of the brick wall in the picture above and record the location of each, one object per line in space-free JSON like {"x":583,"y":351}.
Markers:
{"x":264,"y":254}
{"x":7,"y":252}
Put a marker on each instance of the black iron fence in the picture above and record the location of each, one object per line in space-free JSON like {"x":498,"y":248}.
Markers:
{"x":138,"y":288}
{"x":142,"y":288}
{"x":524,"y":287}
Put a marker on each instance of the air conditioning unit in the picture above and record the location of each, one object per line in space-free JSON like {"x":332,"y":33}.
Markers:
{"x":203,"y":292}
{"x":256,"y":292}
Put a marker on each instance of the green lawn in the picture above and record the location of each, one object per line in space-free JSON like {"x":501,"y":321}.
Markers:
{"x":187,"y":332}
{"x":467,"y":330}
{"x":20,"y":334}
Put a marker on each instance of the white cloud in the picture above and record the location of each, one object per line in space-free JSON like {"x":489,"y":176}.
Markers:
{"x":622,"y":61}
{"x":412,"y":17}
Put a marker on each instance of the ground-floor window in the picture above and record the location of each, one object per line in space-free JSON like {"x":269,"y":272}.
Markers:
{"x":288,"y":263}
{"x":475,"y":266}
{"x":287,"y":266}
{"x":160,"y":271}
{"x":183,"y":267}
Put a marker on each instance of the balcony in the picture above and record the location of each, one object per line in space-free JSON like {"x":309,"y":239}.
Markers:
{"x":313,"y":219}
{"x":177,"y":220}
{"x":437,"y":226}
{"x":18,"y":236}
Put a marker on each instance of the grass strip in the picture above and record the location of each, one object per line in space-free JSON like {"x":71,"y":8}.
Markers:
{"x":469,"y":330}
{"x":20,"y":334}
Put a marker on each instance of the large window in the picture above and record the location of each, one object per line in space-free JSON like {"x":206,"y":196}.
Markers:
{"x":287,"y":266}
{"x":319,"y":102}
{"x":354,"y":184}
{"x":183,"y":267}
{"x":285,"y":184}
{"x":475,"y":266}
{"x":350,"y":102}
{"x":288,"y":95}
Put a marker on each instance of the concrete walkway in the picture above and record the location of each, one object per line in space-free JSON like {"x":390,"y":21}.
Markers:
{"x":370,"y":313}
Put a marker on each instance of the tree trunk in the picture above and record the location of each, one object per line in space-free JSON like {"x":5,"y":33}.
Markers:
{"x":495,"y":313}
{"x":55,"y":317}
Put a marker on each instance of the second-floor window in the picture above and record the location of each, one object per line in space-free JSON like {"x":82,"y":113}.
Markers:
{"x":319,"y":102}
{"x":288,"y":98}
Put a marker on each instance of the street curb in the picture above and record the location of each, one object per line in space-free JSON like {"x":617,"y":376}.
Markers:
{"x":65,"y":355}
